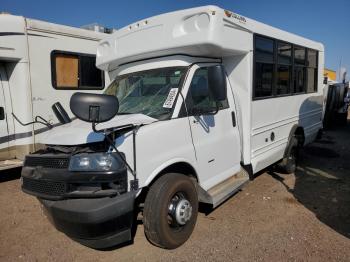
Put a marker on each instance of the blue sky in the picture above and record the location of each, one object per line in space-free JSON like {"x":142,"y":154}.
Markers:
{"x":324,"y":21}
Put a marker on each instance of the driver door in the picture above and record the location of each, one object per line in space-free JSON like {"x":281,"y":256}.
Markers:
{"x":215,"y":135}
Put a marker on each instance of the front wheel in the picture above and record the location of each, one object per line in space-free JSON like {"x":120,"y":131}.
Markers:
{"x":170,"y":211}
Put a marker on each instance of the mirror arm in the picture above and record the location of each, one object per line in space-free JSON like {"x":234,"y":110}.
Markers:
{"x":134,"y":185}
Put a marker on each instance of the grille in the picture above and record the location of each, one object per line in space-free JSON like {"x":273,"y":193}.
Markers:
{"x":48,"y":162}
{"x":52,"y":188}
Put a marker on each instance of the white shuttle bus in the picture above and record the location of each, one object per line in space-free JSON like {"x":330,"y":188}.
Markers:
{"x":201,"y":100}
{"x":40,"y":64}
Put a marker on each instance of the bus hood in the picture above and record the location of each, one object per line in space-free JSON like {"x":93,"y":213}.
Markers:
{"x":80,"y":132}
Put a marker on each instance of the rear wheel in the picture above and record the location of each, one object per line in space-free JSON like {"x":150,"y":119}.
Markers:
{"x":289,"y":163}
{"x":170,"y":211}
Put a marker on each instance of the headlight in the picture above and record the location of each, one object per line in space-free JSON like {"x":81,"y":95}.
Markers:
{"x":95,"y":162}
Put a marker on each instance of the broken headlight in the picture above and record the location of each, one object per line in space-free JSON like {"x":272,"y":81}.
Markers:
{"x":95,"y":162}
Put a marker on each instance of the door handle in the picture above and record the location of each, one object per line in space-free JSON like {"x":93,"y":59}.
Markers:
{"x":233,"y":119}
{"x":2,"y":113}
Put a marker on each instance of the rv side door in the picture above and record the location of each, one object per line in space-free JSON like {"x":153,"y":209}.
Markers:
{"x":214,"y":131}
{"x":4,"y":134}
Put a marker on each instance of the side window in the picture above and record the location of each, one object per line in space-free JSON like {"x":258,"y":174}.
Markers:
{"x":299,"y":69}
{"x":312,"y":70}
{"x":284,"y":68}
{"x":198,"y":96}
{"x":75,"y":71}
{"x":264,"y":67}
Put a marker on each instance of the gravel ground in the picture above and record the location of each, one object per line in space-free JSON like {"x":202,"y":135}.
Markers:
{"x":301,"y":217}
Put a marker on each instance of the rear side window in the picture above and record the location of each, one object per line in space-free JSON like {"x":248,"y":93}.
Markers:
{"x":72,"y":71}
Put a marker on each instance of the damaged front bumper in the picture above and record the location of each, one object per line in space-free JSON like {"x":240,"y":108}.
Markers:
{"x":98,"y":223}
{"x":93,"y":208}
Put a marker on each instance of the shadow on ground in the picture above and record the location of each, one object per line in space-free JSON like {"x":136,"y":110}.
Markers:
{"x":11,"y":174}
{"x":322,"y":180}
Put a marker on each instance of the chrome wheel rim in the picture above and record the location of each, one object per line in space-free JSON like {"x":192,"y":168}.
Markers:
{"x":179,"y":210}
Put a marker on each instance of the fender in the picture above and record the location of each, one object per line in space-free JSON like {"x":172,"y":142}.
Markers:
{"x":166,"y":164}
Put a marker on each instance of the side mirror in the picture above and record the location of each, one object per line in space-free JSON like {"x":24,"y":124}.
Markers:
{"x":217,"y":82}
{"x":60,"y":113}
{"x":94,"y":108}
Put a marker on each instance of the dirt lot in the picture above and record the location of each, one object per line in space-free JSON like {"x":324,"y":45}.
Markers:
{"x":301,"y":217}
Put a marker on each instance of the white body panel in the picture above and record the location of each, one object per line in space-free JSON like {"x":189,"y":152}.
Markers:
{"x":226,"y":38}
{"x":25,"y":61}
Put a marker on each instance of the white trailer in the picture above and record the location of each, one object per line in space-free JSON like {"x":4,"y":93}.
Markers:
{"x":40,"y":64}
{"x":201,"y":100}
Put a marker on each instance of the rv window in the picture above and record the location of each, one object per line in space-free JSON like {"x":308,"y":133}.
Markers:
{"x":67,"y":67}
{"x":75,"y":71}
{"x":91,"y":76}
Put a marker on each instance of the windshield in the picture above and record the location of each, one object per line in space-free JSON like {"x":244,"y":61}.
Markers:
{"x":152,"y":92}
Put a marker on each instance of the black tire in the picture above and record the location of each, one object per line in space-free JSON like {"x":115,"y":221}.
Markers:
{"x":289,"y":163}
{"x":161,"y":228}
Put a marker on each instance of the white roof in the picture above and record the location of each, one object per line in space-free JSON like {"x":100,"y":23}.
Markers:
{"x":204,"y":31}
{"x":16,"y":24}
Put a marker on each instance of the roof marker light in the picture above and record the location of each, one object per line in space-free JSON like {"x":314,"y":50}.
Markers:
{"x":228,"y":13}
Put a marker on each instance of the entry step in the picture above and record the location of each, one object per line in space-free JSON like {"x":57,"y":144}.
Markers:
{"x":227,"y":188}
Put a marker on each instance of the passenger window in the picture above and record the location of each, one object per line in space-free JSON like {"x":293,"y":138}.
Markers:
{"x":312,"y":70}
{"x":299,"y":55}
{"x":75,"y":71}
{"x":263,"y":80}
{"x":299,"y":79}
{"x":264,"y":67}
{"x":199,"y":96}
{"x":284,"y":68}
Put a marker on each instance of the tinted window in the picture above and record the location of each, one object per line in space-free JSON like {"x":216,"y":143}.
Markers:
{"x":311,"y":80}
{"x":264,"y":49}
{"x":299,"y":79}
{"x":312,"y":58}
{"x":263,"y":79}
{"x":299,"y":55}
{"x":284,"y":53}
{"x":283,"y":79}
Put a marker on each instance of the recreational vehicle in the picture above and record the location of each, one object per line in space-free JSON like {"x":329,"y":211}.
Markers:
{"x":40,"y":64}
{"x":201,"y":100}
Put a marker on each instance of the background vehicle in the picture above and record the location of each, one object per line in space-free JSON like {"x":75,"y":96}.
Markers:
{"x":337,"y":104}
{"x":40,"y":64}
{"x":201,"y":100}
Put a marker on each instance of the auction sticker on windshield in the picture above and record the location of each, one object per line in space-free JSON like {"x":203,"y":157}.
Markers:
{"x":171,"y":98}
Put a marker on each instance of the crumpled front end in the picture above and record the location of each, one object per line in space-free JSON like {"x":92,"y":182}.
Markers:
{"x":91,"y":205}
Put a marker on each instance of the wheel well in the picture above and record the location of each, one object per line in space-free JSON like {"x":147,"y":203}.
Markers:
{"x":299,"y":135}
{"x":179,"y":167}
